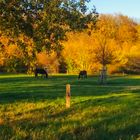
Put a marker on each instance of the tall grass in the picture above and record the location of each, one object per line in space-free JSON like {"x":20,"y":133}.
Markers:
{"x":34,"y":108}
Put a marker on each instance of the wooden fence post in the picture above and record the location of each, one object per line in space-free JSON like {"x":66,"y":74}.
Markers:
{"x":68,"y":94}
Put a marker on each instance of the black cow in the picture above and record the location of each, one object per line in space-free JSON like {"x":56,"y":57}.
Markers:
{"x":41,"y":71}
{"x":82,"y":74}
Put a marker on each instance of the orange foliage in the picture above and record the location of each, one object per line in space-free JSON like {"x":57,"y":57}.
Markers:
{"x":77,"y":52}
{"x":114,"y":42}
{"x":48,"y":60}
{"x":110,"y":43}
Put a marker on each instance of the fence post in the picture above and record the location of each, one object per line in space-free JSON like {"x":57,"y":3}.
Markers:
{"x":68,"y":94}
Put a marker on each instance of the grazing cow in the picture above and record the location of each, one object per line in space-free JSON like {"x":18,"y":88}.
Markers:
{"x":41,"y":71}
{"x":82,"y":74}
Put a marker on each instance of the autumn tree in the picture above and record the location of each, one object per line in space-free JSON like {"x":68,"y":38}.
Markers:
{"x":128,"y":39}
{"x":77,"y":52}
{"x":132,"y":55}
{"x":44,"y":22}
{"x":10,"y":54}
{"x":105,"y":45}
{"x":17,"y":53}
{"x":114,"y":37}
{"x":127,"y":30}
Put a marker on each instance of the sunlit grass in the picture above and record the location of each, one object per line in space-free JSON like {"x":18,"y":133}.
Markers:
{"x":34,"y":108}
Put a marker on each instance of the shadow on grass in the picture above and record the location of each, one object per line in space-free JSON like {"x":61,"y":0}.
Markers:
{"x":31,"y":94}
{"x":124,"y":81}
{"x":52,"y":92}
{"x":100,"y":132}
{"x":29,"y":88}
{"x":112,"y":125}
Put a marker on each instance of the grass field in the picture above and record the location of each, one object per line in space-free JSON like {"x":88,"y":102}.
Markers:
{"x":34,"y":108}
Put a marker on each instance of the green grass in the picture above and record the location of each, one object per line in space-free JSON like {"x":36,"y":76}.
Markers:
{"x":34,"y":108}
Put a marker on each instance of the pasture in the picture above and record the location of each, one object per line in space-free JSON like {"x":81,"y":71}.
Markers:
{"x":34,"y":108}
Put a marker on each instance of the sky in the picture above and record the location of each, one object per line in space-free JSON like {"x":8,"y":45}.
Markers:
{"x":130,"y":8}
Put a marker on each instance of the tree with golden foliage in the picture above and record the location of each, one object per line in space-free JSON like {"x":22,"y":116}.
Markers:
{"x":17,"y":54}
{"x":105,"y":45}
{"x":77,"y":52}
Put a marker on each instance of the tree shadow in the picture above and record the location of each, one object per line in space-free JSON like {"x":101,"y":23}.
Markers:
{"x":98,"y":129}
{"x":124,"y":81}
{"x":29,"y":88}
{"x":31,"y":94}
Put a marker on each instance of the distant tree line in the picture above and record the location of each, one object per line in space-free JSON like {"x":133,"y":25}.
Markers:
{"x":64,"y":36}
{"x":113,"y":44}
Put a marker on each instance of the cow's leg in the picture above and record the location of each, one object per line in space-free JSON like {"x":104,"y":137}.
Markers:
{"x":79,"y":76}
{"x":46,"y":75}
{"x":35,"y":74}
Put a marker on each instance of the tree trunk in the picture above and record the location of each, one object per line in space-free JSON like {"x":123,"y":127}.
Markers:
{"x":103,"y":75}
